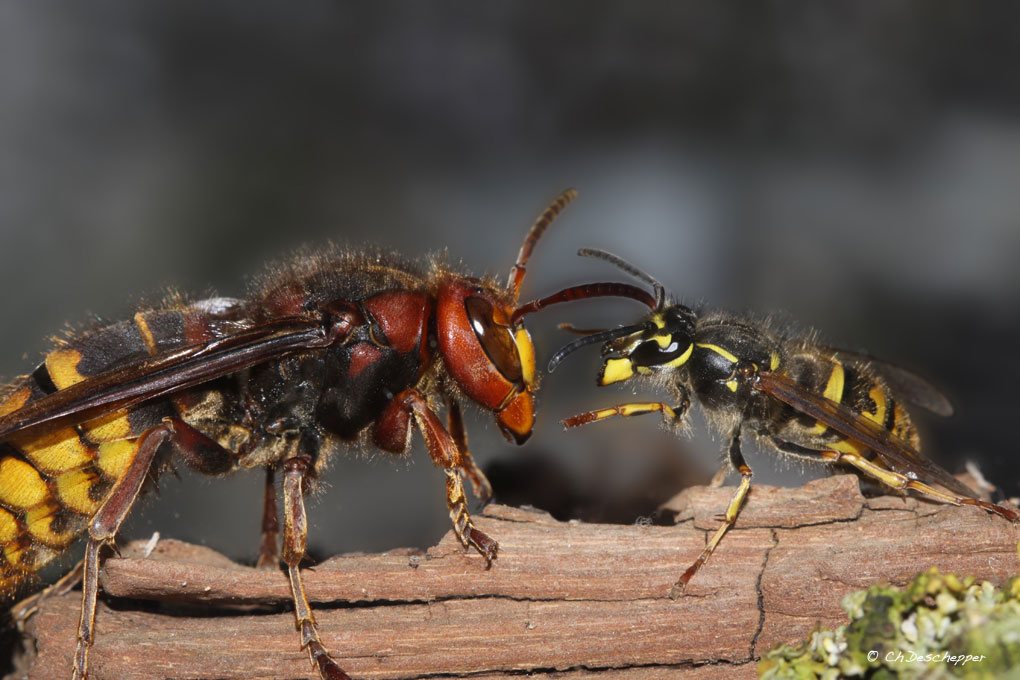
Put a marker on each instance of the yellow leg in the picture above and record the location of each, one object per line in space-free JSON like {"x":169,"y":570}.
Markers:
{"x":728,"y":519}
{"x":669,"y":414}
{"x":900,"y":481}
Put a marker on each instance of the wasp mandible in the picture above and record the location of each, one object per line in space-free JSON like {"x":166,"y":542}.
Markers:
{"x":329,"y":349}
{"x":796,"y":397}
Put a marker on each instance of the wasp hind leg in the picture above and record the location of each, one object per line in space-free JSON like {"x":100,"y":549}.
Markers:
{"x":269,"y":551}
{"x":896,"y":480}
{"x":295,"y":535}
{"x":736,"y":459}
{"x":197,"y":450}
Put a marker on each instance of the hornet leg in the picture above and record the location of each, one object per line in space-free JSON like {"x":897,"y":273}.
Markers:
{"x":295,"y":534}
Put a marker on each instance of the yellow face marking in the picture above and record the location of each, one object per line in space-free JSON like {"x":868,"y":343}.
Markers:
{"x":114,"y":457}
{"x":773,"y":361}
{"x":732,"y":385}
{"x":8,"y":527}
{"x":62,"y":365}
{"x":526,"y":350}
{"x":111,"y":427}
{"x":73,"y":490}
{"x":55,"y":452}
{"x":39,"y":519}
{"x":726,"y":354}
{"x":20,"y":484}
{"x":14,"y":401}
{"x":616,"y":370}
{"x":143,"y":329}
{"x":663,"y":340}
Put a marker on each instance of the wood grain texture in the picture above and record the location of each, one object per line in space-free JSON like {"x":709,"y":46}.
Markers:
{"x":564,"y":599}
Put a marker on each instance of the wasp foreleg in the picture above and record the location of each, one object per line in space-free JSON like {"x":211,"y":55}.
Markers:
{"x":295,"y":534}
{"x":455,"y":424}
{"x":669,"y":413}
{"x":737,"y":461}
{"x":394,"y":426}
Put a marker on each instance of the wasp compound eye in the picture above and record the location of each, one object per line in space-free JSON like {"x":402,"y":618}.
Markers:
{"x":495,"y":338}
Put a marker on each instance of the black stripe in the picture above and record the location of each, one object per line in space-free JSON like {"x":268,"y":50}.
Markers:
{"x":890,"y":412}
{"x":43,"y":381}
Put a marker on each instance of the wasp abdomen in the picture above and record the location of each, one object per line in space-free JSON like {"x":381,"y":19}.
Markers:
{"x":54,"y":478}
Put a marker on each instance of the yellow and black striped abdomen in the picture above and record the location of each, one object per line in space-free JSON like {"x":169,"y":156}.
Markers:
{"x":54,"y":479}
{"x":853,"y":386}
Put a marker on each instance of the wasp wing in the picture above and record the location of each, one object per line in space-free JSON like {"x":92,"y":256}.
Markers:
{"x":162,"y":374}
{"x":904,"y":382}
{"x":899,"y":455}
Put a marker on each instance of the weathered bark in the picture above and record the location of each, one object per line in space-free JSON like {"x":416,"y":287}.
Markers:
{"x":586,"y":599}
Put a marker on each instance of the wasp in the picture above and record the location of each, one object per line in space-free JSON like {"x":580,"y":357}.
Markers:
{"x":797,"y":398}
{"x":329,"y":350}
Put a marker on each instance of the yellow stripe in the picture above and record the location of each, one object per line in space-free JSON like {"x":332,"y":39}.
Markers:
{"x":8,"y":527}
{"x":877,"y":395}
{"x":39,"y":520}
{"x":143,"y":329}
{"x":73,"y":491}
{"x":115,"y":457}
{"x":20,"y":484}
{"x":111,"y":427}
{"x":720,"y":351}
{"x":834,"y":386}
{"x":63,"y":367}
{"x":55,"y":452}
{"x":773,"y":361}
{"x":15,"y":401}
{"x":682,"y":359}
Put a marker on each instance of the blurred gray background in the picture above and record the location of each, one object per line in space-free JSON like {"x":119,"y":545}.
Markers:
{"x":853,"y":166}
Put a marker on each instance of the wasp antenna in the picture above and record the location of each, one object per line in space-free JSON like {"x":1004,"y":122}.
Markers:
{"x":582,"y":292}
{"x":571,"y":328}
{"x":623,"y":265}
{"x":535,"y":233}
{"x":593,"y":339}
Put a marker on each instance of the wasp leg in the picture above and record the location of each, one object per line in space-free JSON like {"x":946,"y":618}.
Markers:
{"x":103,"y":528}
{"x":269,"y":552}
{"x":295,"y":535}
{"x":737,"y":461}
{"x":455,"y":424}
{"x":24,"y":610}
{"x":719,"y":478}
{"x":392,"y":433}
{"x":197,"y":450}
{"x":669,"y":413}
{"x":900,"y":481}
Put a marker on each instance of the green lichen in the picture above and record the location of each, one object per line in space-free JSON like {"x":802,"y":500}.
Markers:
{"x":937,"y":627}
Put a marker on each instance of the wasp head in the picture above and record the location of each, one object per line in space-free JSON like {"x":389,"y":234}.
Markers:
{"x":664,"y":340}
{"x":491,"y":358}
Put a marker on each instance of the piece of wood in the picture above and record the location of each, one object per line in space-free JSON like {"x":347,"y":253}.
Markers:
{"x":565,"y":600}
